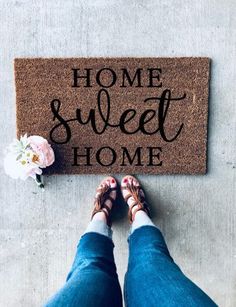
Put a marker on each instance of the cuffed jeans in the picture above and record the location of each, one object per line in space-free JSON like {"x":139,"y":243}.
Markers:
{"x":152,"y":278}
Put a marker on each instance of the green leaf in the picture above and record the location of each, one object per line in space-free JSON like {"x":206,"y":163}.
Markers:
{"x":19,"y":157}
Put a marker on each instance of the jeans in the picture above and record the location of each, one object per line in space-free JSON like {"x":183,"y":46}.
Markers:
{"x":152,"y":278}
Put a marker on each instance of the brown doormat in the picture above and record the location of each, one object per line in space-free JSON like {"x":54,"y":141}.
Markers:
{"x":116,"y":115}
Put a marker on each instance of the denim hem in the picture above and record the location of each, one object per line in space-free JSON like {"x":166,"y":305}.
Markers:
{"x":138,"y":229}
{"x":99,"y":226}
{"x":104,"y":237}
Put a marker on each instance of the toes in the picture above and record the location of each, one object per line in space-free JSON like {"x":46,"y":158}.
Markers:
{"x":125,"y":180}
{"x":111,"y":182}
{"x":131,"y":180}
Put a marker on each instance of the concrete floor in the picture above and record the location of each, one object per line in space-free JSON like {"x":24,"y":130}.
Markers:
{"x":39,"y":231}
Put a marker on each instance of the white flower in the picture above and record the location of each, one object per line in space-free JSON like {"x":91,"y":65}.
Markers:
{"x":19,"y":146}
{"x":25,"y":157}
{"x":12,"y":166}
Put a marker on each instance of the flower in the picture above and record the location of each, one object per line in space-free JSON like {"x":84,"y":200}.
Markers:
{"x":26,"y":157}
{"x":44,"y":154}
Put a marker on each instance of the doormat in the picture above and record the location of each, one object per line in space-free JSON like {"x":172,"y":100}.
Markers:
{"x":116,"y":115}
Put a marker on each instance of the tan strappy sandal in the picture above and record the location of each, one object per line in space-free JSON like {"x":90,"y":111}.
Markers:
{"x":139,"y":200}
{"x":100,"y":199}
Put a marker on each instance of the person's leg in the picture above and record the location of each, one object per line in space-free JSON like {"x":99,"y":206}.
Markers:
{"x":152,"y":278}
{"x":92,"y":280}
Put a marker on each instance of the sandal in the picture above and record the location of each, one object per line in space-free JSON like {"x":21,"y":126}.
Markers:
{"x":103,"y":194}
{"x":139,"y":199}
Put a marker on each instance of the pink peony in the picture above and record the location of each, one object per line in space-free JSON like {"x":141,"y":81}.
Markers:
{"x":27,"y":156}
{"x":43,"y":149}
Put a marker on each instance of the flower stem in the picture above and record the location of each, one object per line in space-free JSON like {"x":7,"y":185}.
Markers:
{"x":38,"y":181}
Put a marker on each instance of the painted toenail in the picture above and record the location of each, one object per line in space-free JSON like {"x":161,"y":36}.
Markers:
{"x":125,"y":180}
{"x":112,"y":180}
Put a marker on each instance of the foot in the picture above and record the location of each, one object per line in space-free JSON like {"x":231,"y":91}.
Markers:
{"x":134,"y":196}
{"x":105,"y":196}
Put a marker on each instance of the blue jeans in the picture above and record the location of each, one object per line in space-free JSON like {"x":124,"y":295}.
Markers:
{"x":152,"y":278}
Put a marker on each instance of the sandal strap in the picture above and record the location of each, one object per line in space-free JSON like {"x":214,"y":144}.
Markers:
{"x":106,"y":207}
{"x":143,"y":207}
{"x":111,"y":199}
{"x":108,"y":191}
{"x":139,"y":200}
{"x":106,"y":214}
{"x":127,"y":197}
{"x":99,"y":202}
{"x":130,"y":194}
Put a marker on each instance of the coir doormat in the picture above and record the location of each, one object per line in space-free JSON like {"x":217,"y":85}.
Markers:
{"x":116,"y":115}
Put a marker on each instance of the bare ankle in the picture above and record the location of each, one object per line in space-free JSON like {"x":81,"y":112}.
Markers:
{"x":99,"y":216}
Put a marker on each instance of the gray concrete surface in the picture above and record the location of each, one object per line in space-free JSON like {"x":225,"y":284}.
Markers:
{"x":39,"y":231}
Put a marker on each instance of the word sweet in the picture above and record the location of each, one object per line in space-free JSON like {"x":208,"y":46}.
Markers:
{"x":103,"y":114}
